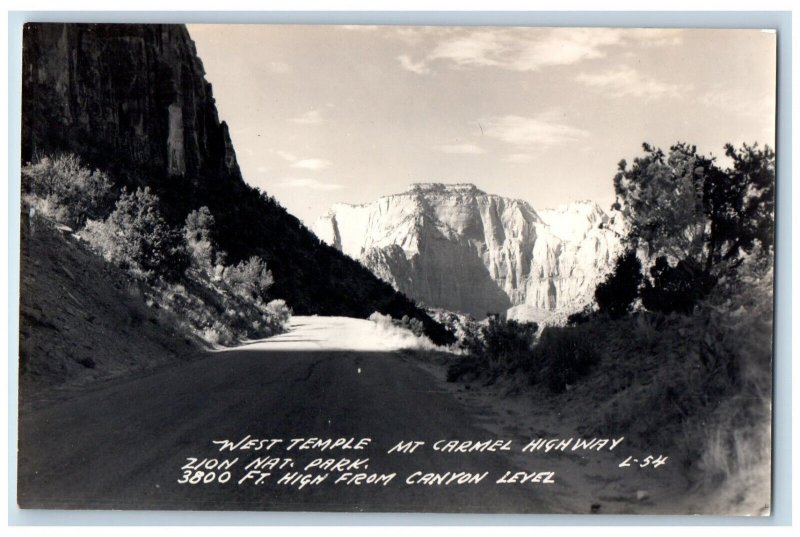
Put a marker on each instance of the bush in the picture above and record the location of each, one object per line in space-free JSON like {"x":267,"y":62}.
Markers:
{"x":412,"y":324}
{"x":279,"y":313}
{"x":198,"y":232}
{"x":500,"y":347}
{"x":509,"y":342}
{"x":676,"y":289}
{"x":249,"y":279}
{"x":67,"y":191}
{"x":580,"y":317}
{"x":564,"y":355}
{"x":616,"y":294}
{"x":136,"y":236}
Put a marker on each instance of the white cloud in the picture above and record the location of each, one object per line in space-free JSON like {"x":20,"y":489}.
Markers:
{"x":285,"y":155}
{"x":305,"y":182}
{"x":655,"y":37}
{"x":460,"y":149}
{"x":625,"y":81}
{"x":312,"y":117}
{"x":483,"y":47}
{"x":518,"y":158}
{"x":415,"y":67}
{"x":303,"y":163}
{"x":278,"y":67}
{"x":740,"y":101}
{"x":542,"y":130}
{"x":414,"y":35}
{"x":358,"y":27}
{"x":530,"y":49}
{"x":311,"y":164}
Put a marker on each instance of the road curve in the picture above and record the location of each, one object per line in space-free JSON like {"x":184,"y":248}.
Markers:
{"x":122,"y":445}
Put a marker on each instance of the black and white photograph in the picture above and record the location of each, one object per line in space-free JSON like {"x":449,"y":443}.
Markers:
{"x":396,"y":268}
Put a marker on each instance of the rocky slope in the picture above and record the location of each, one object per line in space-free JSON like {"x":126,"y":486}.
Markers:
{"x":456,"y":247}
{"x":133,"y":101}
{"x":83,"y":319}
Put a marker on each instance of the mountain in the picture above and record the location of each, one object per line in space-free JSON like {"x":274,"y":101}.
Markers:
{"x":133,"y":100}
{"x":456,"y":247}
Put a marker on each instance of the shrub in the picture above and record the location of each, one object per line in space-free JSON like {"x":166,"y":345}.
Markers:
{"x":500,"y":347}
{"x":580,"y":317}
{"x":509,"y":342}
{"x":198,"y":232}
{"x":676,"y":289}
{"x":68,"y":191}
{"x":136,"y":236}
{"x":616,"y":294}
{"x":466,"y":368}
{"x":249,"y":279}
{"x":564,"y":355}
{"x":279,"y":313}
{"x":412,"y":324}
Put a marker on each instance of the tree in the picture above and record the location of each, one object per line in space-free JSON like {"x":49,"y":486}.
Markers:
{"x":683,"y":205}
{"x":740,"y":204}
{"x":73,"y":193}
{"x":615,"y":295}
{"x":678,"y":288}
{"x":695,"y":218}
{"x":135,"y":235}
{"x":198,"y":232}
{"x":250,"y":279}
{"x":661,"y":196}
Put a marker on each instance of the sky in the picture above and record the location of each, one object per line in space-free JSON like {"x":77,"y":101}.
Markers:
{"x":328,"y":114}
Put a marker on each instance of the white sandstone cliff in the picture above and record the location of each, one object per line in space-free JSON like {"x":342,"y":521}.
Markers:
{"x":456,"y":247}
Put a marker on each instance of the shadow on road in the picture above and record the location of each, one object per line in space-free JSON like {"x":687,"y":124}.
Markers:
{"x":123,"y":445}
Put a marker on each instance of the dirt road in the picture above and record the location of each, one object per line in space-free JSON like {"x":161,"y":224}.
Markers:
{"x":123,"y":445}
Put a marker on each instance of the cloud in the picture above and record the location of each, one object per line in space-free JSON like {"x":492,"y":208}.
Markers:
{"x":415,"y":67}
{"x":655,"y":37}
{"x":739,"y":101}
{"x":478,"y":48}
{"x":285,"y":155}
{"x":311,"y":164}
{"x":303,"y":163}
{"x":278,"y":67}
{"x":312,"y":117}
{"x":358,"y":27}
{"x":518,"y":158}
{"x":531,"y":49}
{"x":460,"y":149}
{"x":305,"y":182}
{"x":542,"y":130}
{"x":625,"y":81}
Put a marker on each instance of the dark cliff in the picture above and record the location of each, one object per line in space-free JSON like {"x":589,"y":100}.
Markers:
{"x":131,"y":97}
{"x":133,"y":101}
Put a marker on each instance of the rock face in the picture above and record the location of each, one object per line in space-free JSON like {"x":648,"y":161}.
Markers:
{"x":456,"y":247}
{"x":132,"y":100}
{"x":131,"y":97}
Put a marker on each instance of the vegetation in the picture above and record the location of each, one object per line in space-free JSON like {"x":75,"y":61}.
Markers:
{"x":198,"y":232}
{"x":694,"y":218}
{"x":563,"y":355}
{"x":678,"y":342}
{"x":616,"y":294}
{"x":495,"y":348}
{"x":136,"y":236}
{"x":182,"y":269}
{"x":67,"y":190}
{"x":249,"y":279}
